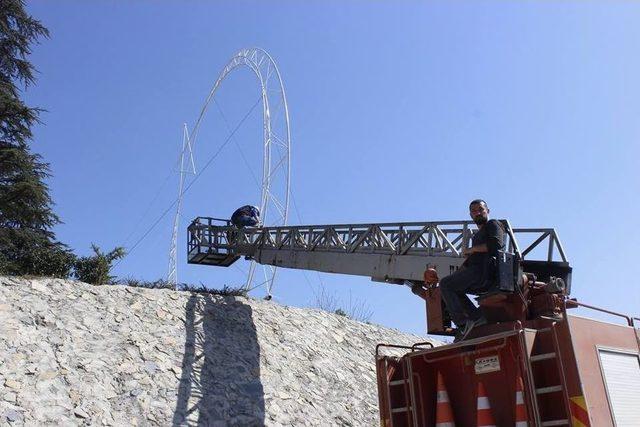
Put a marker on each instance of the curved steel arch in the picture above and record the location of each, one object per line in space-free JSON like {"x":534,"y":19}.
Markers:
{"x":276,"y":163}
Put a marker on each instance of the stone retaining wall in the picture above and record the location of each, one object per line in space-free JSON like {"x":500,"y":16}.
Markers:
{"x":76,"y":354}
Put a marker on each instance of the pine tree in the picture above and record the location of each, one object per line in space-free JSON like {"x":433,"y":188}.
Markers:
{"x":27,"y":242}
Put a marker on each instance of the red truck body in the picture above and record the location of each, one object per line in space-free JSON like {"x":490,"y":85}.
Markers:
{"x":575,"y":371}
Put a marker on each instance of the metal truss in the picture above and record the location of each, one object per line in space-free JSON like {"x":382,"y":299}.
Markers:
{"x":172,"y":276}
{"x":355,"y":248}
{"x":276,"y":174}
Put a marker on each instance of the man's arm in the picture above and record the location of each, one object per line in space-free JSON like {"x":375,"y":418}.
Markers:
{"x":479,"y":249}
{"x":495,"y":238}
{"x":495,"y":241}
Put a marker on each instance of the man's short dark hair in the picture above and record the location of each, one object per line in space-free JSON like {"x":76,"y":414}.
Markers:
{"x":478,"y":202}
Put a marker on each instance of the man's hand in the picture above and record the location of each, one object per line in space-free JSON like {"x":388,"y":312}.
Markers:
{"x":431,"y":276}
{"x":479,"y":249}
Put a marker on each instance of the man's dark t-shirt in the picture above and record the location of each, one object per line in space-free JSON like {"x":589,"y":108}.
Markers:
{"x":492,"y":235}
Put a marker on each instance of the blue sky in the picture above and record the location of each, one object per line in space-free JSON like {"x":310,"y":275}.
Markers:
{"x":400,"y":111}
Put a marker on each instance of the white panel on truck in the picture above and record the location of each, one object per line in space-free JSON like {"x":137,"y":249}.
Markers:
{"x":622,"y":378}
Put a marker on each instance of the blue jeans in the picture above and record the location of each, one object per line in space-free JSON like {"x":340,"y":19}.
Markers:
{"x":454,"y":289}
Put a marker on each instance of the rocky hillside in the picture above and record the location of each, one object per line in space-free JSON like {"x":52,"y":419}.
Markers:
{"x":76,"y":354}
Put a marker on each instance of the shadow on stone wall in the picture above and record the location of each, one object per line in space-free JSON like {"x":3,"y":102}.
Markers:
{"x":220,"y":383}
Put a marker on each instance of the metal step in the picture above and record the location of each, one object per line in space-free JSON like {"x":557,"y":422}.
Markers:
{"x":552,"y":389}
{"x":404,"y":409}
{"x":555,"y":423}
{"x":543,"y":356}
{"x":397,"y":382}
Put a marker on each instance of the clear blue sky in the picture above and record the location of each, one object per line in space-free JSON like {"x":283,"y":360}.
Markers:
{"x":400,"y":111}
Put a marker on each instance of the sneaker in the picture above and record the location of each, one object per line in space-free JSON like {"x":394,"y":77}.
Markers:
{"x":479,"y":322}
{"x":462,"y":333}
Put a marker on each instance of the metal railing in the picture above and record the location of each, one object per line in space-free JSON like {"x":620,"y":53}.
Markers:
{"x":572,"y":303}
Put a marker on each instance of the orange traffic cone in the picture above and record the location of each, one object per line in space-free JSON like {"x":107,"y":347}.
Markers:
{"x":484,"y":416}
{"x":521,"y":410}
{"x":444,"y":413}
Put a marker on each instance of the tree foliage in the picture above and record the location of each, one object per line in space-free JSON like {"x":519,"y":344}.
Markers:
{"x":27,"y":243}
{"x":95,"y":269}
{"x":18,"y":31}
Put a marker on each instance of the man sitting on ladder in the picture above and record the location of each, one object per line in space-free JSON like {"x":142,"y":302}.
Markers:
{"x":476,"y":272}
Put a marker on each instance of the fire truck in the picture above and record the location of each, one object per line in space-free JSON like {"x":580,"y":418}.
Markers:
{"x":532,"y":364}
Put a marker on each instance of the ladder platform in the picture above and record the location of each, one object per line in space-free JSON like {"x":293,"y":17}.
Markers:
{"x":217,"y":259}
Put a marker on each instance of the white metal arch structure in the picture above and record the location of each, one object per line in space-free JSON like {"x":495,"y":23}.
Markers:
{"x":276,"y":173}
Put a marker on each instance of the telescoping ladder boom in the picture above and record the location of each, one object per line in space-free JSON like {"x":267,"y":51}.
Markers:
{"x":389,"y":252}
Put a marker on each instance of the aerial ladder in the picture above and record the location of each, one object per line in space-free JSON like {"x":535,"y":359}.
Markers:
{"x":566,"y":368}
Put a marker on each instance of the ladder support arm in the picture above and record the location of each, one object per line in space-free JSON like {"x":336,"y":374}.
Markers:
{"x":389,"y":252}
